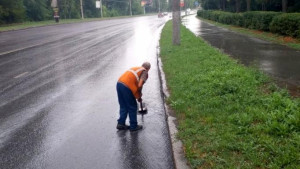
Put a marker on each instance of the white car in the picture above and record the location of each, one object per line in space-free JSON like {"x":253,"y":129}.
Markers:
{"x":188,"y":10}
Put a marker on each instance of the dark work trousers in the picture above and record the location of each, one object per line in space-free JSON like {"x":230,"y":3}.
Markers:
{"x":128,"y":105}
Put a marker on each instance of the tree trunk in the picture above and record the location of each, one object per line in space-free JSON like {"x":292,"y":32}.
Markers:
{"x":224,"y":5}
{"x":176,"y":22}
{"x":238,"y":5}
{"x":284,"y":5}
{"x":81,"y":9}
{"x":248,"y":5}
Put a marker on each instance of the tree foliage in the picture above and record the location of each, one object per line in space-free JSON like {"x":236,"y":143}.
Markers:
{"x":12,"y":11}
{"x":37,"y":10}
{"x":252,"y":5}
{"x":69,"y":9}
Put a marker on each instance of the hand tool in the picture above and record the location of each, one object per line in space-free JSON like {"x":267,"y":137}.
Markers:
{"x":141,"y":109}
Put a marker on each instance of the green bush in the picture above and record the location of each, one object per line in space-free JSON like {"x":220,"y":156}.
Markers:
{"x":226,"y":18}
{"x":276,"y":22}
{"x":259,"y":20}
{"x":214,"y":15}
{"x":231,"y":18}
{"x":109,"y":13}
{"x":247,"y":17}
{"x":222,"y":17}
{"x":286,"y":24}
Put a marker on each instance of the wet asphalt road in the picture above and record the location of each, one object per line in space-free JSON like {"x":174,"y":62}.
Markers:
{"x":59,"y":104}
{"x":281,"y":62}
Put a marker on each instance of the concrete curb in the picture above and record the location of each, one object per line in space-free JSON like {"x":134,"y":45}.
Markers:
{"x":177,"y":146}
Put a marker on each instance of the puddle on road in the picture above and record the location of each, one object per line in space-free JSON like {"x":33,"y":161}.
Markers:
{"x":278,"y":61}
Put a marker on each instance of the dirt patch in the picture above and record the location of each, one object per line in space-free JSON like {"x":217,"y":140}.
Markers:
{"x":293,"y":90}
{"x":288,"y":39}
{"x":257,"y":31}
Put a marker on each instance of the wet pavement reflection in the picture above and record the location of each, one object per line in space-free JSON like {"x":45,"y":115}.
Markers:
{"x":281,"y":62}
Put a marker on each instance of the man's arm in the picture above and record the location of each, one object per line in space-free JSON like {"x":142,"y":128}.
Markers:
{"x":143,"y":78}
{"x":140,"y":87}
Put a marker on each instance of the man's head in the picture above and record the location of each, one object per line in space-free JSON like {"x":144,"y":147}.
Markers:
{"x":146,"y":65}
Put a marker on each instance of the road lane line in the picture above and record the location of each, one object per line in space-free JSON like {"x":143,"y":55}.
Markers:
{"x":20,"y":49}
{"x":20,"y":75}
{"x":35,"y":45}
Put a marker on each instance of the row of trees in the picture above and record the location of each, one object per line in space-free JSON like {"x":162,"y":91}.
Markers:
{"x":252,"y":5}
{"x":12,"y":11}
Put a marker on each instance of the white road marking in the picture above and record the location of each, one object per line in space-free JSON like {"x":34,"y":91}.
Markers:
{"x":32,"y":46}
{"x":16,"y":50}
{"x":20,"y":75}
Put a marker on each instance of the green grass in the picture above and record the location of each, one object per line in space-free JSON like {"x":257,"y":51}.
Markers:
{"x":230,"y":116}
{"x":24,"y":25}
{"x":283,"y":40}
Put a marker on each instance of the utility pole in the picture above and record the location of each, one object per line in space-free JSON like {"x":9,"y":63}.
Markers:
{"x":176,"y":22}
{"x":101,"y":8}
{"x":99,"y":5}
{"x":158,"y":6}
{"x":130,"y":8}
{"x":82,"y":17}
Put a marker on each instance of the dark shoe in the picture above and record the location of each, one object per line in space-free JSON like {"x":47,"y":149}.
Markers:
{"x":122,"y":127}
{"x":138,"y":127}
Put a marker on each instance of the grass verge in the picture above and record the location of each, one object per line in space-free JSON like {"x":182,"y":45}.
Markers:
{"x":230,"y":116}
{"x":17,"y":26}
{"x":283,"y":40}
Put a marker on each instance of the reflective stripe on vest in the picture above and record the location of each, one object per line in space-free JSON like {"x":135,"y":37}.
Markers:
{"x":131,"y":79}
{"x":136,"y":72}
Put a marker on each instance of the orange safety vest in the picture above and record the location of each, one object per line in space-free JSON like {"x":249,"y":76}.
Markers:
{"x":131,"y":79}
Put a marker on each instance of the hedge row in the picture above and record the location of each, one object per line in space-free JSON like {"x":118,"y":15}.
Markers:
{"x":276,"y":22}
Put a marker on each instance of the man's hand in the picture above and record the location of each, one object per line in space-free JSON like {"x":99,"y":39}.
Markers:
{"x":140,"y":99}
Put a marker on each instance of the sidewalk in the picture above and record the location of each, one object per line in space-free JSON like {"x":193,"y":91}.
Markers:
{"x":279,"y":61}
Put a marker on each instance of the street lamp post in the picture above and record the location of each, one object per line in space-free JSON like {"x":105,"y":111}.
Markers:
{"x":130,"y":7}
{"x":158,"y":6}
{"x":101,"y":7}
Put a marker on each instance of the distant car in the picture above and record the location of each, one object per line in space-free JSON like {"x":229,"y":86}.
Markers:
{"x":188,"y":10}
{"x":160,"y":15}
{"x":165,"y":13}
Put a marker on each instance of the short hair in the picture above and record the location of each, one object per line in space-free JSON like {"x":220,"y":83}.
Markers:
{"x":146,"y":65}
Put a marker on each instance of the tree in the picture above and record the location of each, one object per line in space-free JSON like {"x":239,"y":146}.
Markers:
{"x":36,"y":10}
{"x":238,"y":5}
{"x":69,"y":9}
{"x":12,"y":11}
{"x":223,"y":5}
{"x":248,"y":5}
{"x":136,"y":7}
{"x":284,"y":5}
{"x":176,"y":22}
{"x":90,"y":10}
